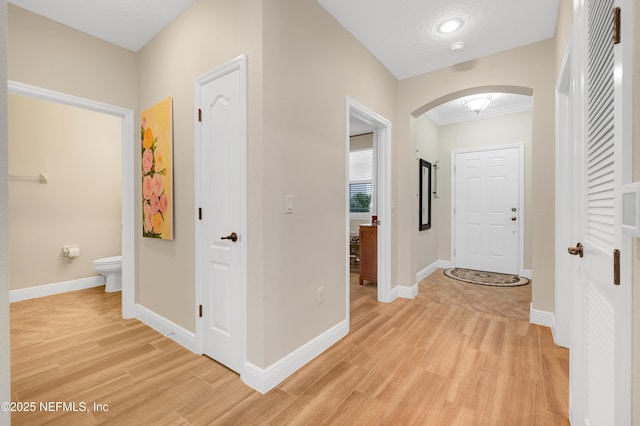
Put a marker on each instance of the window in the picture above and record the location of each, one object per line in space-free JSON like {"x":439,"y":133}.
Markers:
{"x":361,"y":184}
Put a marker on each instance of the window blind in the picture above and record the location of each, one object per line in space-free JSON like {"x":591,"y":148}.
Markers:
{"x":360,"y":180}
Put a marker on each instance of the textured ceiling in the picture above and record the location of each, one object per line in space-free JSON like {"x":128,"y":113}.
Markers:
{"x":403,"y":34}
{"x":125,"y":23}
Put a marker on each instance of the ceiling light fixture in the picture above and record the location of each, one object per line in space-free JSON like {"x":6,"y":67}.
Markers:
{"x":478,"y":103}
{"x":450,"y":26}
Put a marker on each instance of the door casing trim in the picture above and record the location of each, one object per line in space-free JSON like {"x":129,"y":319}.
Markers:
{"x":382,"y":141}
{"x":127,"y":172}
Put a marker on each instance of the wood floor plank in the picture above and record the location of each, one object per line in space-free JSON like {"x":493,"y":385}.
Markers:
{"x":475,"y":391}
{"x":556,"y":386}
{"x":444,"y":358}
{"x":163,"y":404}
{"x":448,"y":413}
{"x":143,"y":392}
{"x":256,"y":409}
{"x":358,"y":409}
{"x":395,"y":363}
{"x":207,"y":407}
{"x":519,"y":401}
{"x":323,"y":397}
{"x":413,"y":398}
{"x":301,"y":381}
{"x":36,"y":377}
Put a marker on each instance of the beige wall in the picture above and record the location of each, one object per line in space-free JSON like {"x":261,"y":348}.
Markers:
{"x":361,"y":142}
{"x":503,"y":130}
{"x":563,"y":31}
{"x":49,"y":55}
{"x":527,"y":68}
{"x":311,"y":64}
{"x":5,"y":365}
{"x":427,"y":136}
{"x":79,"y":151}
{"x":205,"y":36}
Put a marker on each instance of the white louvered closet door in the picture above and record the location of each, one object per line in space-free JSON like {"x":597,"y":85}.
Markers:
{"x":602,"y":301}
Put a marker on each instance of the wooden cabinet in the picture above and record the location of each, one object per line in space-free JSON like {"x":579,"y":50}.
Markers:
{"x":368,"y":253}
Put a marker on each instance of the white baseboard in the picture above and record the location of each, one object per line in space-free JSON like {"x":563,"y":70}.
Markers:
{"x":544,"y":318}
{"x":408,"y":292}
{"x":445,"y":264}
{"x":402,"y":291}
{"x":263,"y":380}
{"x":527,"y":273}
{"x":392,"y":295}
{"x":55,"y":288}
{"x":168,"y":328}
{"x":421,"y":275}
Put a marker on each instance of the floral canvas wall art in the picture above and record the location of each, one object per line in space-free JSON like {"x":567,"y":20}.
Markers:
{"x":156,"y":128}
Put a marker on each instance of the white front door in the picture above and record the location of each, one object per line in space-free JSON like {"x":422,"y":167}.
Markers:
{"x":221,"y":228}
{"x":601,"y":327}
{"x":486,"y":209}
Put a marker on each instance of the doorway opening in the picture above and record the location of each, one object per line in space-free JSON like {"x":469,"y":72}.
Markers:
{"x":127,"y":176}
{"x":472,"y":119}
{"x":377,"y":192}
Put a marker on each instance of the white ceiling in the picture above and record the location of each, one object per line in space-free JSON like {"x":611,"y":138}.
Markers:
{"x":403,"y":34}
{"x":125,"y":23}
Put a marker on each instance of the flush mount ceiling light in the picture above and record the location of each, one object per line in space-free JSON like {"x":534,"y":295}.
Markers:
{"x":450,"y":25}
{"x":477,"y":103}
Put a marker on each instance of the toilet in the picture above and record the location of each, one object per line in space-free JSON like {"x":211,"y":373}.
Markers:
{"x":111,"y":268}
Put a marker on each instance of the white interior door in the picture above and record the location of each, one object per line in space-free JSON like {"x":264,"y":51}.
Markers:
{"x":221,"y":224}
{"x":487,"y":209}
{"x":601,"y":330}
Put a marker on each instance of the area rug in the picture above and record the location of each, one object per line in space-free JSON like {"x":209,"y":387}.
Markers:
{"x":485,"y":278}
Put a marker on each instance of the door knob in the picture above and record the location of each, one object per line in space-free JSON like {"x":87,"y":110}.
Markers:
{"x":514,"y":218}
{"x":578,"y":250}
{"x":233,"y":237}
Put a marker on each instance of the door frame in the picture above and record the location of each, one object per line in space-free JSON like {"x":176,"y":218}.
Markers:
{"x":237,"y":64}
{"x":521,"y":215}
{"x":566,"y":225}
{"x":127,"y":173}
{"x":382,"y":143}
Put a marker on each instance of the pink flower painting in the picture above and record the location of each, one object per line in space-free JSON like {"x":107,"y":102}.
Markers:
{"x":156,"y":135}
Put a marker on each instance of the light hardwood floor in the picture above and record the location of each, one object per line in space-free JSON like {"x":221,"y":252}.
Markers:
{"x":457,"y":354}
